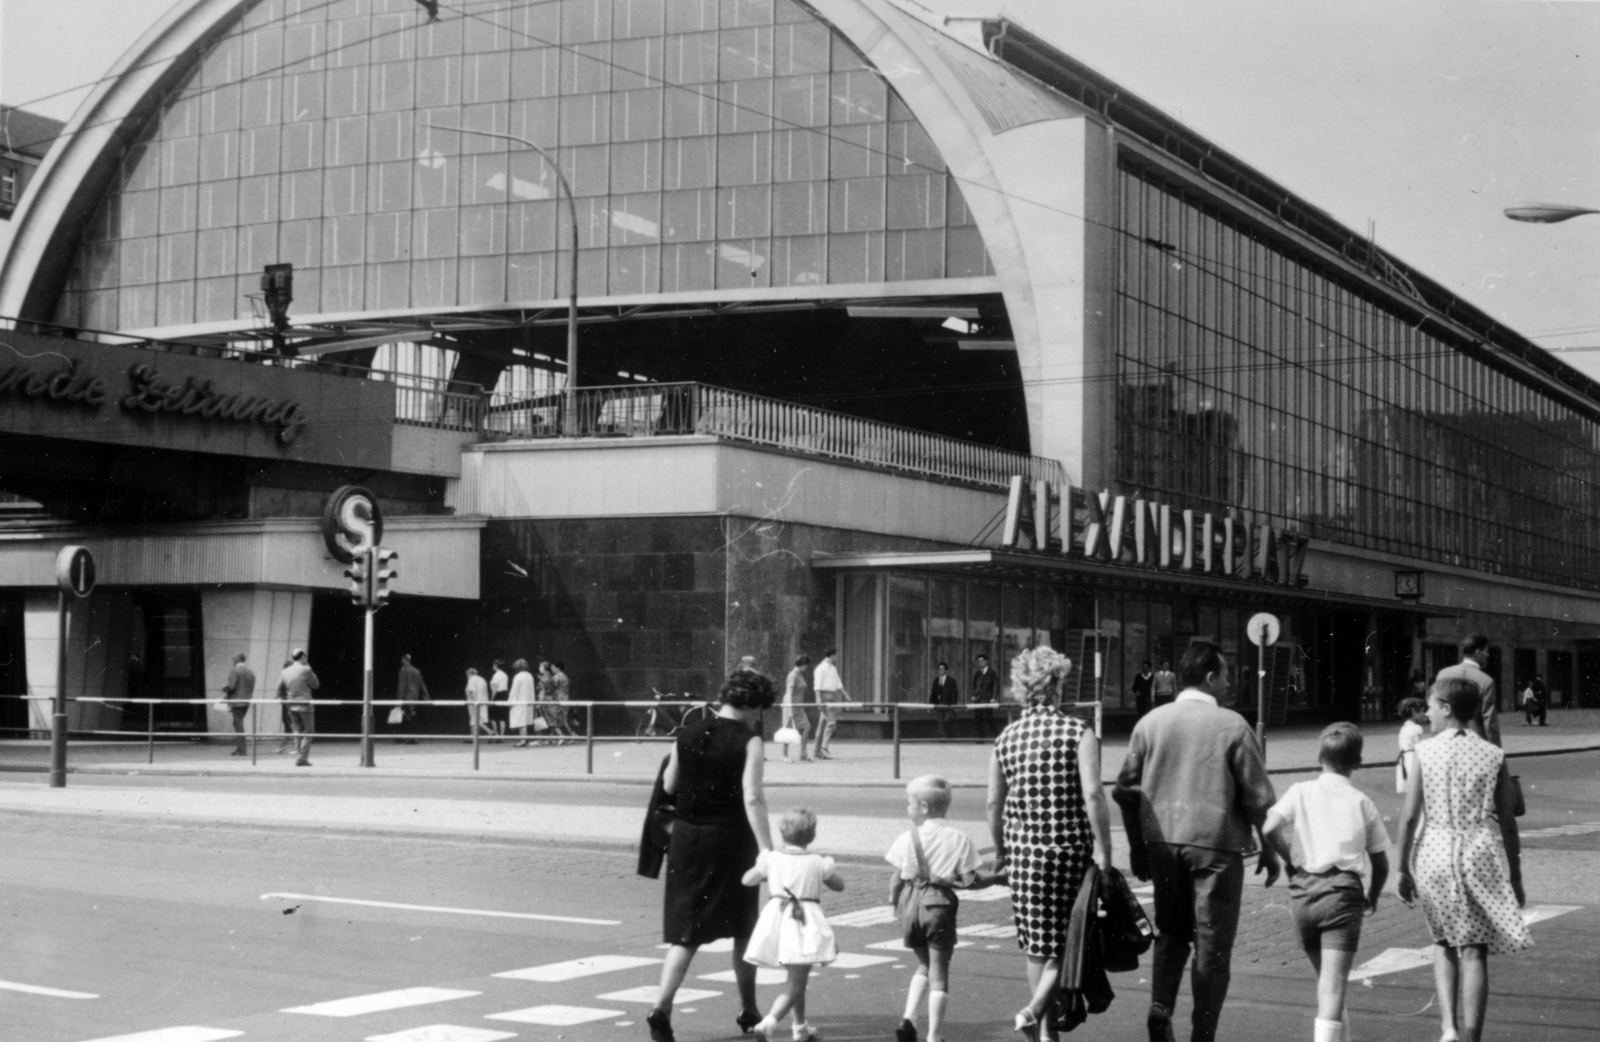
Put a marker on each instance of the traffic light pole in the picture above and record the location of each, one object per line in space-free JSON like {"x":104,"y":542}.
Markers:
{"x":58,"y":715}
{"x":366,"y":692}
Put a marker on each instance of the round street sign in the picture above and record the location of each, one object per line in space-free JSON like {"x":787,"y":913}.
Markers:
{"x":75,"y":570}
{"x":1263,"y":629}
{"x":352,"y":524}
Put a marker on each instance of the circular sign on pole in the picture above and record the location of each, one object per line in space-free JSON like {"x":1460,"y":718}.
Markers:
{"x":75,"y":570}
{"x":1263,"y":629}
{"x":351,"y":523}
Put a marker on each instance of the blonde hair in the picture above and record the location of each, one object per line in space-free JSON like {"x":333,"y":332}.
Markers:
{"x":798,"y":827}
{"x":932,"y":790}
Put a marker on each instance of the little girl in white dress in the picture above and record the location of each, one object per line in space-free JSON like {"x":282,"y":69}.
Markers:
{"x":792,"y":931}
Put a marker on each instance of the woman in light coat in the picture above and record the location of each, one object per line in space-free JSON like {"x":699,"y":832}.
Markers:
{"x":522,"y":700}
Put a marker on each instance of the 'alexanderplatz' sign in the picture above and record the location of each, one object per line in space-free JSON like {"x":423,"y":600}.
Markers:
{"x":1097,"y":526}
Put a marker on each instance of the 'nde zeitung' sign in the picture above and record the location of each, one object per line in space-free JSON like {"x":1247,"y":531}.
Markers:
{"x":57,"y":388}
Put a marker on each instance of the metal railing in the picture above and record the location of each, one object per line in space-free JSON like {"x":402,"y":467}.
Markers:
{"x":645,"y":410}
{"x":601,"y":722}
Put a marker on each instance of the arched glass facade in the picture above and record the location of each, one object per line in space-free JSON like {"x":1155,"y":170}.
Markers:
{"x":711,"y":144}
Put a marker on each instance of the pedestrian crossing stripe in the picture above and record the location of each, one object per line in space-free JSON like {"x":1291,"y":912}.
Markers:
{"x":856,"y":961}
{"x":443,"y":1033}
{"x":650,"y":992}
{"x":178,"y":1034}
{"x":556,"y":1016}
{"x":877,"y":916}
{"x":53,"y":993}
{"x":764,"y":975}
{"x":899,"y":946}
{"x":988,"y":893}
{"x":1540,"y":913}
{"x":1581,"y":829}
{"x":724,"y":944}
{"x":1396,"y":960}
{"x":1001,"y":930}
{"x":572,"y":969}
{"x":379,"y":1002}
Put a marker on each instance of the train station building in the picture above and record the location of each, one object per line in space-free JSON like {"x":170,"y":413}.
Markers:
{"x":900,"y":330}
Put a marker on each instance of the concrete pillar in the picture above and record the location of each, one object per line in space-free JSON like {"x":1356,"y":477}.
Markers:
{"x":97,"y":657}
{"x":267,"y":626}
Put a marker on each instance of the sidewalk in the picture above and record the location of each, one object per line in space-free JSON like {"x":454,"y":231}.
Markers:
{"x":630,"y":761}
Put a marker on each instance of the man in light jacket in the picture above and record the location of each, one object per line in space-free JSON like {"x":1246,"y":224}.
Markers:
{"x":830,"y":692}
{"x":240,"y":689}
{"x":297,"y":686}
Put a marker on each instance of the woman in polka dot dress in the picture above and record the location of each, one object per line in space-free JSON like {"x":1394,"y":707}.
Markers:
{"x":1466,"y":864}
{"x":1048,"y":816}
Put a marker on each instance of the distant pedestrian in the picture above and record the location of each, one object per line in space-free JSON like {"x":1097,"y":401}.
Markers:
{"x":411,"y":689}
{"x":522,"y":701}
{"x":477,"y":695}
{"x":499,"y":688}
{"x":286,"y":739}
{"x":1474,"y":657}
{"x":830,"y":692}
{"x":1414,"y":730}
{"x":1196,"y":772}
{"x":240,"y":689}
{"x":792,"y":933}
{"x":943,"y":696}
{"x":1535,"y":700}
{"x":297,"y":686}
{"x":983,"y":695}
{"x":797,"y":703}
{"x":1332,"y":840}
{"x":1163,"y":685}
{"x":1466,"y":864}
{"x":560,"y":693}
{"x":1143,"y":687}
{"x":747,"y":664}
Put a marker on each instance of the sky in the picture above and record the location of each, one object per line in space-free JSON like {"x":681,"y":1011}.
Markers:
{"x":1427,"y":118}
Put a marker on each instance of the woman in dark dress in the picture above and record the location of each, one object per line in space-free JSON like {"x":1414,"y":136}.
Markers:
{"x":720,"y":826}
{"x":1049,"y":819}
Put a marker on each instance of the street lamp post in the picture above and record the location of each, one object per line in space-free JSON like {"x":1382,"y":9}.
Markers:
{"x":1545,"y":213}
{"x":570,"y":426}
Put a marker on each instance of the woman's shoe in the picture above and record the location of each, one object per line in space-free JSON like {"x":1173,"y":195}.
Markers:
{"x":660,"y":1026}
{"x":748,"y":1020}
{"x":1027,"y":1025}
{"x":806,"y":1033}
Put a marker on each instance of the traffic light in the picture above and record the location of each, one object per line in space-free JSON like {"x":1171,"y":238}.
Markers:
{"x":432,"y":7}
{"x":385,"y":569}
{"x":359,"y":576}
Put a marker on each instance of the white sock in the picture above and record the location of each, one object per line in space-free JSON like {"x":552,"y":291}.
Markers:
{"x":1326,"y":1030}
{"x":919,"y":988}
{"x":936,"y":1004}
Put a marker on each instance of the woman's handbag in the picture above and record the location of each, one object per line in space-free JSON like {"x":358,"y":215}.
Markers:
{"x":1125,"y":931}
{"x":397,"y":716}
{"x":657,"y":833}
{"x":786,"y":735}
{"x":1519,"y":806}
{"x":540,"y":725}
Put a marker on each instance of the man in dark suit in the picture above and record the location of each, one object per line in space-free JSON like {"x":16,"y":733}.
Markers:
{"x":985,"y":692}
{"x":1141,"y":689}
{"x":943,"y":695}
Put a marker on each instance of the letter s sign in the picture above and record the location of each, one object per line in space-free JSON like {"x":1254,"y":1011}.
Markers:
{"x":351,"y":523}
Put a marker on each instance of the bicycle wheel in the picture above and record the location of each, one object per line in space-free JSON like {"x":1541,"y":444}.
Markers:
{"x":694,"y":715}
{"x":647,"y":724}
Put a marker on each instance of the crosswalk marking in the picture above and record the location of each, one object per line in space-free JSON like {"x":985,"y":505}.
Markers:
{"x":1393,"y":960}
{"x":441,"y":908}
{"x":1579,"y":829}
{"x":1539,"y":913}
{"x":1003,"y":930}
{"x":899,"y":946}
{"x":555,"y":1016}
{"x":650,"y":992}
{"x":180,"y":1034}
{"x":402,"y":998}
{"x":877,"y":916}
{"x":856,"y":961}
{"x":575,"y":968}
{"x":724,"y":944}
{"x":988,"y":893}
{"x":764,"y":975}
{"x":37,"y":989}
{"x":443,"y":1033}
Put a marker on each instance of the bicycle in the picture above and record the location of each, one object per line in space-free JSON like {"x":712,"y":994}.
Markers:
{"x":661,"y":721}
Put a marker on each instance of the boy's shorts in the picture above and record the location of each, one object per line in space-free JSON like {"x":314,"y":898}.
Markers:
{"x":932,"y":922}
{"x":1328,"y":909}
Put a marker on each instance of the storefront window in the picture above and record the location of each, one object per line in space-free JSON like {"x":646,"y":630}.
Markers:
{"x":1161,"y":634}
{"x":1135,"y":650}
{"x":1109,"y":646}
{"x":947,"y":630}
{"x":907,"y":653}
{"x":983,"y":627}
{"x":1016,"y":631}
{"x":858,"y":644}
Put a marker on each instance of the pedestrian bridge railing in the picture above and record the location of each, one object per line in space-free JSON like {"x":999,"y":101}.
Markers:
{"x":586,"y":723}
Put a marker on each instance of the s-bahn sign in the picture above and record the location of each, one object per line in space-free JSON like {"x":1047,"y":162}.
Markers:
{"x":1130,"y":530}
{"x":53,"y":387}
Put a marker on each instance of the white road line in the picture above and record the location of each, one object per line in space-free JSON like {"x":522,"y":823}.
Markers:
{"x":764,"y":975}
{"x":899,"y":946}
{"x":443,"y":1033}
{"x":650,"y":992}
{"x":35,"y":989}
{"x":1540,"y":913}
{"x":441,"y":908}
{"x":555,"y":1016}
{"x":725,"y":944}
{"x":856,"y":961}
{"x":1393,"y":960}
{"x":988,"y":893}
{"x":865,"y":917}
{"x":550,"y":973}
{"x":183,"y":1034}
{"x":378,"y":1002}
{"x":1004,"y":930}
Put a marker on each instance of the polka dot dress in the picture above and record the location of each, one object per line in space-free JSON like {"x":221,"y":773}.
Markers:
{"x":1460,"y":865}
{"x":1048,"y":842}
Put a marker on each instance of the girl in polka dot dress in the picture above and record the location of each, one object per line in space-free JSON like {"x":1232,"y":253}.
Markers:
{"x":1466,"y":864}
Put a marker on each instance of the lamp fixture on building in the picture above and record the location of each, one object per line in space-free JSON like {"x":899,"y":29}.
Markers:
{"x":277,"y":289}
{"x":1545,"y":213}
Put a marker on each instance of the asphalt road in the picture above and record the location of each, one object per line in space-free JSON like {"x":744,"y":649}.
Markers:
{"x":222,"y":929}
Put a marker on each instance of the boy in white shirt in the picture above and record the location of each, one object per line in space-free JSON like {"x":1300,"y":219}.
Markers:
{"x":930,"y":861}
{"x":1335,"y":830}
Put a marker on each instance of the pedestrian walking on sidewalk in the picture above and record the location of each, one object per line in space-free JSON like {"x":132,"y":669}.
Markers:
{"x":1535,"y":700}
{"x":286,"y":739}
{"x":522,"y":701}
{"x":1474,"y":657}
{"x":1466,"y":863}
{"x":477,"y":695}
{"x":720,"y":828}
{"x":1197,"y":775}
{"x":240,"y":689}
{"x":1163,"y":685}
{"x":499,"y":688}
{"x":558,"y":693}
{"x":797,"y":702}
{"x":1143,"y":685}
{"x":985,"y":692}
{"x":830,"y":692}
{"x":943,"y":696}
{"x":411,"y":689}
{"x":1414,"y":711}
{"x":297,"y":686}
{"x":1049,"y":821}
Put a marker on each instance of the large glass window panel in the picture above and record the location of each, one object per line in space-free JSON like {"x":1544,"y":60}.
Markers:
{"x":857,"y":151}
{"x":907,"y":631}
{"x":916,"y":201}
{"x":800,"y":208}
{"x":636,"y":115}
{"x":636,"y":220}
{"x":175,"y":303}
{"x":214,"y":299}
{"x":635,"y":270}
{"x":258,"y":199}
{"x":689,"y":163}
{"x":299,"y":243}
{"x":301,"y":194}
{"x":345,"y":141}
{"x":260,"y":150}
{"x":746,"y":53}
{"x":855,"y":257}
{"x":433,"y":282}
{"x":177,"y":257}
{"x":742,"y":264}
{"x":686,"y":267}
{"x":635,"y":18}
{"x":531,"y":276}
{"x":914,"y":255}
{"x":800,"y":260}
{"x":485,"y":77}
{"x":585,"y":119}
{"x":483,"y":280}
{"x":746,"y":105}
{"x":178,"y":208}
{"x":343,"y":240}
{"x":856,"y":204}
{"x":744,"y":159}
{"x":691,"y":58}
{"x":531,"y":228}
{"x":536,"y":73}
{"x":801,"y":101}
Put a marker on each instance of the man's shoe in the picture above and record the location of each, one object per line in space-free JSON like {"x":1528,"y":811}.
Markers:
{"x":238,"y":752}
{"x":1159,"y":1025}
{"x":748,"y":1020}
{"x":906,"y":1032}
{"x":302,"y":763}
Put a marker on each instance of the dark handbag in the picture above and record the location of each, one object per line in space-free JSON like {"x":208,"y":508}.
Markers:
{"x":1126,"y":931}
{"x":1519,"y":806}
{"x":657,"y":833}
